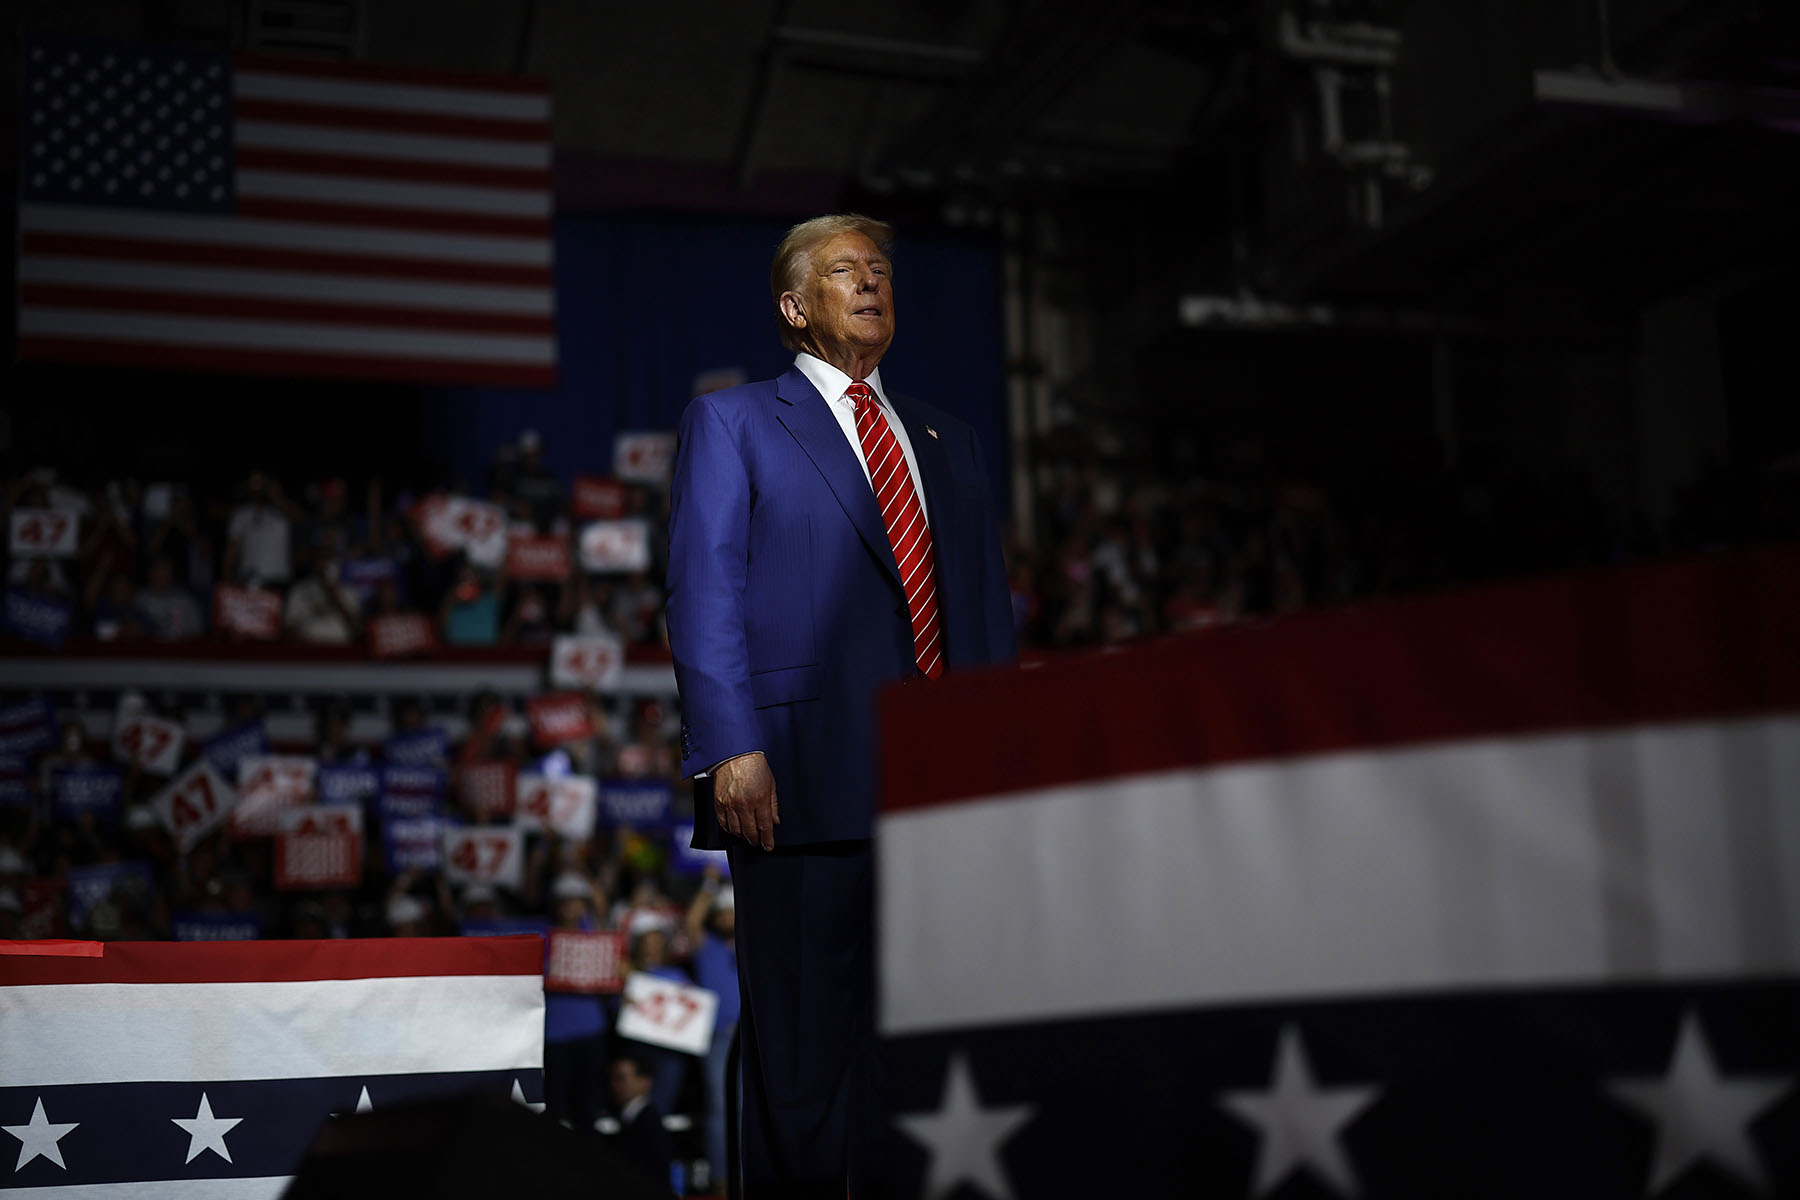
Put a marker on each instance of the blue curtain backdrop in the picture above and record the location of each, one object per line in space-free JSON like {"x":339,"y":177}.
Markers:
{"x":646,"y":304}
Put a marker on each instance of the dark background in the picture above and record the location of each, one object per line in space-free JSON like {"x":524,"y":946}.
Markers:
{"x":1467,"y":281}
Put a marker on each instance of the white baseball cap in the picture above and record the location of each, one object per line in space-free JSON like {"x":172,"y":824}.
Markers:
{"x":404,"y":909}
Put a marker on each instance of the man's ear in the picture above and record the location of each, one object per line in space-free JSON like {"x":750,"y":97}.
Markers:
{"x":794,"y":309}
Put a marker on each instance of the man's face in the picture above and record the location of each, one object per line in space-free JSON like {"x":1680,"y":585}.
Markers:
{"x":847,"y":299}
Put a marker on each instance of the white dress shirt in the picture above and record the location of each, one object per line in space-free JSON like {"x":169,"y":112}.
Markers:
{"x":832,"y":384}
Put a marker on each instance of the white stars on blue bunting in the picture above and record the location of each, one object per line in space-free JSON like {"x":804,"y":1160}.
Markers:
{"x":1300,"y":1123}
{"x":39,"y":1136}
{"x":1700,"y":1113}
{"x":207,"y":1132}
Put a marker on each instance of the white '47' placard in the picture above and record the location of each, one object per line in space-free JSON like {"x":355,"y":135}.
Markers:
{"x":194,"y":804}
{"x":485,"y":854}
{"x":148,"y":743}
{"x":665,"y":1013}
{"x":565,"y":805}
{"x":44,"y":533}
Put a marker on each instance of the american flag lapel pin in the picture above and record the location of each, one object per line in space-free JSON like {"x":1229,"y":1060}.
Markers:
{"x":931,"y":431}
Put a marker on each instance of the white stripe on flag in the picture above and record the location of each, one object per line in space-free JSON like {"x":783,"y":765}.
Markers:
{"x":285,"y":336}
{"x":282,"y":235}
{"x":257,"y":84}
{"x":267,"y":1187}
{"x":284,"y":285}
{"x":57,"y":1034}
{"x":1648,"y":854}
{"x":411,"y":147}
{"x":379,"y":193}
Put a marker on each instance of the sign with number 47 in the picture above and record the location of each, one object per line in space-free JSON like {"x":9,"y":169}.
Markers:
{"x":43,"y":533}
{"x":665,"y":1013}
{"x":485,"y":854}
{"x":148,"y":743}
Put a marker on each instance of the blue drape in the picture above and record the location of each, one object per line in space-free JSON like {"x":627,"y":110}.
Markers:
{"x":645,"y":304}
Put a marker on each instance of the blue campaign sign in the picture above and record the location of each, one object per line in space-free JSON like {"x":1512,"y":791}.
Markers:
{"x":412,"y":843}
{"x":411,"y":810}
{"x":428,"y":782}
{"x":27,"y":728}
{"x":216,"y":926}
{"x":350,"y":783}
{"x":502,"y":926}
{"x":428,"y":747}
{"x":638,"y":803}
{"x":685,"y":860}
{"x":224,"y":750}
{"x":87,"y":789}
{"x":361,"y":575}
{"x":88,"y":886}
{"x":15,"y":790}
{"x":44,"y":620}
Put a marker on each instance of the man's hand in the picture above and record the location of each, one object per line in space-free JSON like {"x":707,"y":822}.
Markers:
{"x":744,"y":799}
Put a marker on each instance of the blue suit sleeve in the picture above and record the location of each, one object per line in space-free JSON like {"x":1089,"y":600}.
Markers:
{"x":709,"y":553}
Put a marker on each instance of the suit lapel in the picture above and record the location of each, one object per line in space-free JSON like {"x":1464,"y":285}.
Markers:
{"x":806,"y":415}
{"x":934,"y":466}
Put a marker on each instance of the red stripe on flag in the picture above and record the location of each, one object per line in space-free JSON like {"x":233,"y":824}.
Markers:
{"x":1710,"y":638}
{"x":269,"y":362}
{"x":284,"y":961}
{"x":301,"y":311}
{"x":322,"y":262}
{"x":471,"y":81}
{"x":53,"y":948}
{"x":527,"y":179}
{"x":247,"y":108}
{"x":367,"y":216}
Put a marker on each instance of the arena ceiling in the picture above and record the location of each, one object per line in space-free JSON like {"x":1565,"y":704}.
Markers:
{"x":1451,"y":184}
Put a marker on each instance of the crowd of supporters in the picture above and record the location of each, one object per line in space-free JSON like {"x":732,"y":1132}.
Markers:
{"x":1120,"y":557}
{"x":148,"y":560}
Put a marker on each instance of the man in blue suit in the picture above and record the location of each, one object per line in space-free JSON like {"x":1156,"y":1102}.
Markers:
{"x":826,"y":538}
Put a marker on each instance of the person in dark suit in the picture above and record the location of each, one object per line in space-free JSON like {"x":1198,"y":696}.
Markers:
{"x":643,"y":1141}
{"x":827,"y":537}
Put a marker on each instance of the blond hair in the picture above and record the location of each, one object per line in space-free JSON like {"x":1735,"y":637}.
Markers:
{"x":788,"y":270}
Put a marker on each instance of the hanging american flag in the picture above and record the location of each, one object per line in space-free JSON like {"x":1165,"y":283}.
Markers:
{"x":192,"y":209}
{"x":205,"y":1069}
{"x":1488,"y":896}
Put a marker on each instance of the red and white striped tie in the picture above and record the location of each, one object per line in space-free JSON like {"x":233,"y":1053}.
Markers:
{"x":905,"y":521}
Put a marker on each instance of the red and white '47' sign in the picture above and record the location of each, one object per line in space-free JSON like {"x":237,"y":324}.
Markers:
{"x":565,"y":805}
{"x":319,"y":846}
{"x":194,"y":804}
{"x":586,"y":661}
{"x":400,"y":634}
{"x":475,"y":527}
{"x":44,"y":533}
{"x":559,"y":717}
{"x":670,"y":1014}
{"x":485,"y":854}
{"x":149,"y":743}
{"x":247,"y":612}
{"x":268,"y":783}
{"x":622,"y":545}
{"x":584,"y":962}
{"x":644,"y":457}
